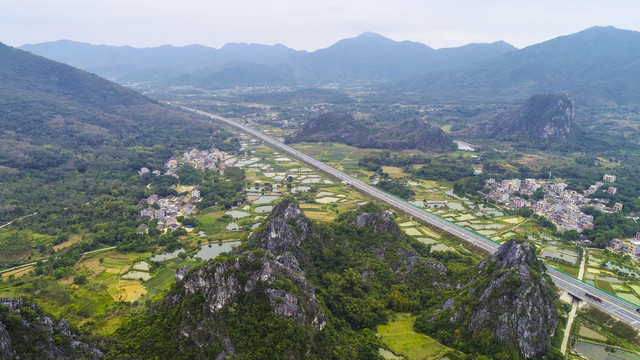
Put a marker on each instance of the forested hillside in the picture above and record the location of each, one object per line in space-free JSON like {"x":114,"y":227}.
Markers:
{"x":598,"y":67}
{"x":68,"y":137}
{"x":344,"y":128}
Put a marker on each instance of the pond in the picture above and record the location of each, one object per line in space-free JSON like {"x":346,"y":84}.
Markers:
{"x":144,"y":266}
{"x":455,"y":206}
{"x":602,"y":352}
{"x":613,"y":266}
{"x":426,"y":240}
{"x":167,"y":256}
{"x":559,"y":256}
{"x":463,"y":145}
{"x":324,"y":193}
{"x":495,"y":213}
{"x":238,"y":214}
{"x":266,"y":199}
{"x":327,"y":200}
{"x":135,"y":275}
{"x":211,"y":251}
{"x":298,"y":189}
{"x":452,"y":194}
{"x":440,"y":247}
{"x":263,"y":209}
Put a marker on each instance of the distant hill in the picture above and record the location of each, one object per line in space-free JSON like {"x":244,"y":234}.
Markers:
{"x":124,"y":62}
{"x":344,"y":128}
{"x":371,"y":56}
{"x":542,"y":118}
{"x":48,"y":109}
{"x":366,"y":57}
{"x":597,"y":66}
{"x":238,"y":74}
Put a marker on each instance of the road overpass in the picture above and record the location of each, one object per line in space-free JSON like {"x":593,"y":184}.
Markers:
{"x":610,"y":304}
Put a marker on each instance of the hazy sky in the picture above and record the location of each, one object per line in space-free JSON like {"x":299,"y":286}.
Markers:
{"x":305,"y":24}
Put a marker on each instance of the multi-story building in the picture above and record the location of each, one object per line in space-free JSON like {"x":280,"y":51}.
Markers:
{"x":617,"y":207}
{"x":615,"y":244}
{"x":146,"y":213}
{"x":559,"y":187}
{"x":634,"y":248}
{"x":609,"y":178}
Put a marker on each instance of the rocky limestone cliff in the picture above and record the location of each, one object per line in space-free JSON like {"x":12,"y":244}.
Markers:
{"x":222,"y":284}
{"x":382,"y":222}
{"x":268,"y":276}
{"x":26,"y":332}
{"x":543,"y":117}
{"x":284,"y":229}
{"x":509,"y":307}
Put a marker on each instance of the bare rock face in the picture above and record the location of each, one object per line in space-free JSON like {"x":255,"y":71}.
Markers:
{"x":27,"y":332}
{"x":511,"y":300}
{"x":285,"y":227}
{"x":270,"y":272}
{"x":381,"y":222}
{"x":222,"y":284}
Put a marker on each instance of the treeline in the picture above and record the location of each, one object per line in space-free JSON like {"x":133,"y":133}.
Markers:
{"x":607,"y":227}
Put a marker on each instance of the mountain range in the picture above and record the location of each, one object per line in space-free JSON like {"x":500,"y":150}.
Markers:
{"x":599,"y":66}
{"x":366,"y":57}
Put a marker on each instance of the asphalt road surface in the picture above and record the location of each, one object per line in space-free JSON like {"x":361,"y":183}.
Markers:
{"x":610,"y":304}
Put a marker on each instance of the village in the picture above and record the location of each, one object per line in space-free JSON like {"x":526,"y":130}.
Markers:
{"x":560,"y":205}
{"x":279,"y":174}
{"x":553,"y":201}
{"x":166,"y":210}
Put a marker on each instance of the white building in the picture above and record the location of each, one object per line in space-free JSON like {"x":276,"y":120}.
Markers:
{"x":634,"y":248}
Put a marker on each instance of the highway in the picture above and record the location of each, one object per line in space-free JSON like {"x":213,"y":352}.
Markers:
{"x":610,"y":304}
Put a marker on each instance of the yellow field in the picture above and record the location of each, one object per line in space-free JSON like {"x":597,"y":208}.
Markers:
{"x":310,"y":206}
{"x":320,"y":216}
{"x":94,"y":265}
{"x":392,"y":170}
{"x":128,"y":290}
{"x":18,"y":272}
{"x":512,"y":220}
{"x":72,"y":240}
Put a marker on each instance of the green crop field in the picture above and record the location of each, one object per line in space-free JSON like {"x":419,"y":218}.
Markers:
{"x":400,"y":337}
